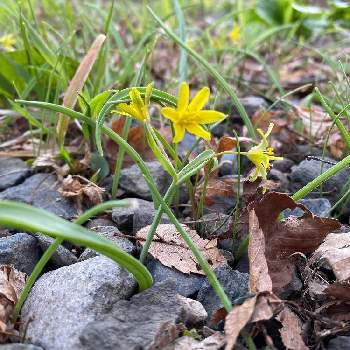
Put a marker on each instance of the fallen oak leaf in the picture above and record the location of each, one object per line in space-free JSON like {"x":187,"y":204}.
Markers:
{"x":11,"y":285}
{"x":271,"y":243}
{"x":171,"y":250}
{"x":237,"y":319}
{"x":291,"y":330}
{"x":281,"y":239}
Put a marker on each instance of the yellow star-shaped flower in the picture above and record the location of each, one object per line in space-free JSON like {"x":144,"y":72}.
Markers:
{"x":189,"y":115}
{"x":7,"y":42}
{"x":235,"y":33}
{"x":261,"y":155}
{"x":137,"y":108}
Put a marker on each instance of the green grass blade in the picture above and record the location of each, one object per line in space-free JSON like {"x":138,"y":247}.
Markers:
{"x":31,"y":219}
{"x":182,"y":33}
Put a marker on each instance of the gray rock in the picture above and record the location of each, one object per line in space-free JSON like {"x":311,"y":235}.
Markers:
{"x":284,"y":165}
{"x":214,"y":225}
{"x":139,"y":323}
{"x":228,"y":164}
{"x":339,"y":343}
{"x":194,"y":312}
{"x":318,"y":206}
{"x":20,"y":250}
{"x":12,"y":172}
{"x":111,"y":233}
{"x":40,"y":190}
{"x":64,"y":301}
{"x":308,"y":170}
{"x":138,"y":215}
{"x":133,"y":182}
{"x":251,"y":104}
{"x":61,"y":257}
{"x":19,"y":346}
{"x":187,"y":284}
{"x":280,"y":177}
{"x":234,"y":283}
{"x":99,"y":222}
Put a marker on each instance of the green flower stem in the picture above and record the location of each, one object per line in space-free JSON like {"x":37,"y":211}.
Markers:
{"x":120,"y":158}
{"x":214,"y":282}
{"x":221,"y":81}
{"x":53,"y":247}
{"x":167,"y":199}
{"x":321,"y":178}
{"x":335,"y":118}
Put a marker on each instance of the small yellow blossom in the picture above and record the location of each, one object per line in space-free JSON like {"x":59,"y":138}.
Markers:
{"x":7,"y":42}
{"x":138,"y":108}
{"x":261,"y":155}
{"x":189,"y":115}
{"x":235,"y":33}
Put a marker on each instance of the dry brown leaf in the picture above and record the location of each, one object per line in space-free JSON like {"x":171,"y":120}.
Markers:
{"x":171,"y":250}
{"x":259,"y":278}
{"x":77,"y":83}
{"x":291,"y":330}
{"x":237,"y":319}
{"x":335,"y":254}
{"x":80,"y":188}
{"x":283,"y":238}
{"x":11,"y":285}
{"x":214,"y":342}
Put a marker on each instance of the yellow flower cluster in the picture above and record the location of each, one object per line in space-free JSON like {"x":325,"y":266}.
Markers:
{"x":261,"y":155}
{"x":190,"y":116}
{"x":7,"y":42}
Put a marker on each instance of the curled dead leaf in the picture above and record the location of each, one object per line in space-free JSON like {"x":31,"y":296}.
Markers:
{"x":171,"y":250}
{"x":80,"y":188}
{"x":291,"y":330}
{"x":11,"y":285}
{"x":278,"y":240}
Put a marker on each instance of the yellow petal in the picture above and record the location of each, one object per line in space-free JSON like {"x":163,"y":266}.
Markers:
{"x":199,"y":100}
{"x":179,"y":132}
{"x":254,"y":176}
{"x":129,"y":110}
{"x":138,"y":103}
{"x":170,"y":113}
{"x":206,"y":117}
{"x":183,"y":98}
{"x":198,"y":130}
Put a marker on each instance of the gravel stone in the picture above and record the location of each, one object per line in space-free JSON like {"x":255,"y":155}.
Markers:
{"x":20,"y":250}
{"x":12,"y":172}
{"x":64,"y":301}
{"x":40,"y":190}
{"x":284,"y":165}
{"x":308,"y":170}
{"x":234,"y":283}
{"x":214,"y":225}
{"x":187,"y":284}
{"x":111,"y":233}
{"x":339,"y":343}
{"x":61,"y":257}
{"x":135,"y":217}
{"x":318,"y":206}
{"x":133,"y":182}
{"x":139,"y":323}
{"x":19,"y":346}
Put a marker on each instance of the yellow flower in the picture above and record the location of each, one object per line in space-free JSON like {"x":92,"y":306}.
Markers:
{"x":261,"y":155}
{"x":189,"y":115}
{"x":235,"y":33}
{"x":7,"y":42}
{"x":138,"y":108}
